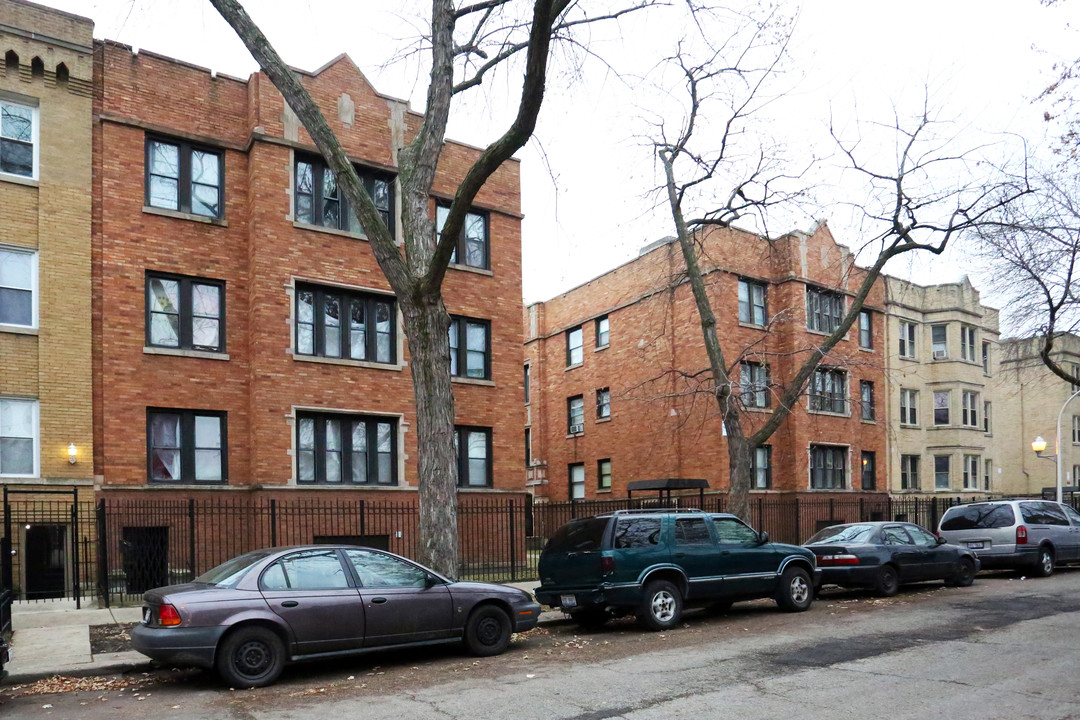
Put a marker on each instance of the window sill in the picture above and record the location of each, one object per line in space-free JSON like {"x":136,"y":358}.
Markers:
{"x":568,"y":368}
{"x":943,"y":427}
{"x":603,"y":491}
{"x":18,"y":179}
{"x":752,"y":326}
{"x":329,"y":231}
{"x":347,"y":362}
{"x":201,"y":354}
{"x":186,"y":484}
{"x":18,"y":329}
{"x":294,"y":485}
{"x":908,"y":358}
{"x":909,"y":426}
{"x":825,"y":490}
{"x":829,"y":413}
{"x":604,"y":419}
{"x":151,"y":210}
{"x":866,"y":350}
{"x":601,"y":347}
{"x":470,"y":268}
{"x":472,"y":381}
{"x":574,"y":435}
{"x":754,"y":409}
{"x":864,"y":421}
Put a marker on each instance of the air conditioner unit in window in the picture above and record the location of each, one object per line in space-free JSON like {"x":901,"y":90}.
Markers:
{"x":941,"y":354}
{"x":575,"y":429}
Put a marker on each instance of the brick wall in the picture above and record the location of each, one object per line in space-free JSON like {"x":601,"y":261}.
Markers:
{"x":260,"y":253}
{"x":664,"y":421}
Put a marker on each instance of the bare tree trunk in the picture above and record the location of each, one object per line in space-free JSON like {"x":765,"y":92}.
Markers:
{"x":427,"y":326}
{"x":739,"y":454}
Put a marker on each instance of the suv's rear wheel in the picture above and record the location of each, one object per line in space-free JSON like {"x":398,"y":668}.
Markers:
{"x":661,"y":606}
{"x":1045,"y":565}
{"x":796,"y":592}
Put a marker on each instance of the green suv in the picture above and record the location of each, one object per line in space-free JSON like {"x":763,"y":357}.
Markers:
{"x":650,"y":563}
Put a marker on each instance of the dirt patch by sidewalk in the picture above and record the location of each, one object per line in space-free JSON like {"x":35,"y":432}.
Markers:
{"x":111,"y":638}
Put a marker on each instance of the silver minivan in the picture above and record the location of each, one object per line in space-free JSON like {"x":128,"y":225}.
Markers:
{"x":1018,"y":534}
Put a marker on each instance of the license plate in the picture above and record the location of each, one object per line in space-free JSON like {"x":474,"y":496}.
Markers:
{"x":146,"y":616}
{"x":975,"y":546}
{"x":568,"y":601}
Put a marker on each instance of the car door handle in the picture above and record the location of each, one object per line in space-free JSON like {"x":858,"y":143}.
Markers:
{"x":725,"y":552}
{"x":289,"y":603}
{"x":378,"y":600}
{"x":679,"y":555}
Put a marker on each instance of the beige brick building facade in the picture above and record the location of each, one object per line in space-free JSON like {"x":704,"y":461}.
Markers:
{"x":1029,"y":398}
{"x":941,"y":359}
{"x":45,"y":322}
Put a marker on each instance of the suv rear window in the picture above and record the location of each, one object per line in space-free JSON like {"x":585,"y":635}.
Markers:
{"x":578,"y":536}
{"x":978,"y":517}
{"x":637,"y":532}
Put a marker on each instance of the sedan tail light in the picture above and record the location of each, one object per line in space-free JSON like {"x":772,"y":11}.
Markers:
{"x":833,"y":560}
{"x":1021,"y":535}
{"x":167,"y":615}
{"x":607,"y":564}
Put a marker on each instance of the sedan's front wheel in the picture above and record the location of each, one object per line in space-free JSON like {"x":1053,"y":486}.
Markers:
{"x":964,"y":575}
{"x":250,"y":657}
{"x":488,"y":631}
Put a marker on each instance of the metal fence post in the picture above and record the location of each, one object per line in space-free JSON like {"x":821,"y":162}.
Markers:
{"x":75,"y":579}
{"x":5,"y":562}
{"x":191,"y":536}
{"x":103,"y":553}
{"x":798,"y":532}
{"x":513,"y":543}
{"x":273,"y":522}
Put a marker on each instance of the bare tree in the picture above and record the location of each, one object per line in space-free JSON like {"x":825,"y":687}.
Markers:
{"x":1032,"y":254}
{"x":919,"y":199}
{"x":468,"y":42}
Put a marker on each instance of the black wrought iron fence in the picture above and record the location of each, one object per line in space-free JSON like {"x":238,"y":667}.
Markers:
{"x":145,"y":544}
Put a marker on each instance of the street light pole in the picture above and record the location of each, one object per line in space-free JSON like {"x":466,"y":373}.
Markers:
{"x":1058,"y":448}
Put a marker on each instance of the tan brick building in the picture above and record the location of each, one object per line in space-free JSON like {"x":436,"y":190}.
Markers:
{"x":945,"y":424}
{"x":45,"y":240}
{"x":611,"y":370}
{"x":247,"y":340}
{"x":1029,"y":399}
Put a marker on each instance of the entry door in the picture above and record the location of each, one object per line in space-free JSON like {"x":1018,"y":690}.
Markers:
{"x":311,"y":591}
{"x":400,"y":602}
{"x":46,"y":561}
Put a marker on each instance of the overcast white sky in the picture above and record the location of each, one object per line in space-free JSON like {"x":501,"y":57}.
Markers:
{"x":586,"y":178}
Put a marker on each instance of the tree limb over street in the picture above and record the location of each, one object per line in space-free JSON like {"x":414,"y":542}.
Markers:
{"x":494,"y":32}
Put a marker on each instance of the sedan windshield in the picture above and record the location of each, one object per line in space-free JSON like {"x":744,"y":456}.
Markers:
{"x":228,"y":573}
{"x":843,"y":534}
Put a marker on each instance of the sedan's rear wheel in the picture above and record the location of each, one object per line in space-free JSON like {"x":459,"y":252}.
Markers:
{"x":887,"y":581}
{"x":488,"y":631}
{"x":250,"y":657}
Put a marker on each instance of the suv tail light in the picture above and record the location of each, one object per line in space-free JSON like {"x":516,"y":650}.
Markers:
{"x":607,"y":564}
{"x":1021,"y":535}
{"x":833,"y":560}
{"x":167,"y":615}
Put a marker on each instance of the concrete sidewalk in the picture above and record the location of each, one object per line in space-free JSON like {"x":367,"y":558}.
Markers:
{"x":53,"y":638}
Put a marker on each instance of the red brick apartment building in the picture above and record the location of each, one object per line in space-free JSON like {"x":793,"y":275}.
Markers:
{"x":244,"y":336}
{"x":610,"y":368}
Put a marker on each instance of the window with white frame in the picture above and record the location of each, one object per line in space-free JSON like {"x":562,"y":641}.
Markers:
{"x":971,"y":472}
{"x":967,"y":343}
{"x":603,"y":403}
{"x":909,"y":407}
{"x":575,"y":415}
{"x":576,"y":477}
{"x":909,"y":472}
{"x":1076,"y":429}
{"x":988,"y":473}
{"x":941,"y":472}
{"x":1076,"y":474}
{"x":866,"y":397}
{"x":18,"y":437}
{"x":18,"y":287}
{"x":907,"y":339}
{"x":866,"y":330}
{"x":987,"y":425}
{"x":18,"y":139}
{"x":761,"y":467}
{"x":941,"y":407}
{"x":986,"y":358}
{"x":603,"y":474}
{"x":603,"y":333}
{"x":575,"y":354}
{"x":969,"y":414}
{"x":939,"y":337}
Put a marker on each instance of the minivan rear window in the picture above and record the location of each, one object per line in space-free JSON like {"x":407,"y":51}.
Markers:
{"x":978,"y":517}
{"x":578,"y":536}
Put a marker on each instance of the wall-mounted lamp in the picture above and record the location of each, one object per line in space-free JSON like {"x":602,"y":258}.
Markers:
{"x":73,"y":453}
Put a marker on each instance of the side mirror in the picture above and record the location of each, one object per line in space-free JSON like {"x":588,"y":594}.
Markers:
{"x":430,"y":581}
{"x":763,"y":537}
{"x":941,"y":540}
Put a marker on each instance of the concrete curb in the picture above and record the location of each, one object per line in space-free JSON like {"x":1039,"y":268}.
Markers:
{"x":128,"y":662}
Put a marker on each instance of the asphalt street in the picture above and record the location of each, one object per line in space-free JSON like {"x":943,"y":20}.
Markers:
{"x":1005,"y":648}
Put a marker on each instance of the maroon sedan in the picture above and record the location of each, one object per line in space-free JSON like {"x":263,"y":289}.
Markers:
{"x":252,"y":614}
